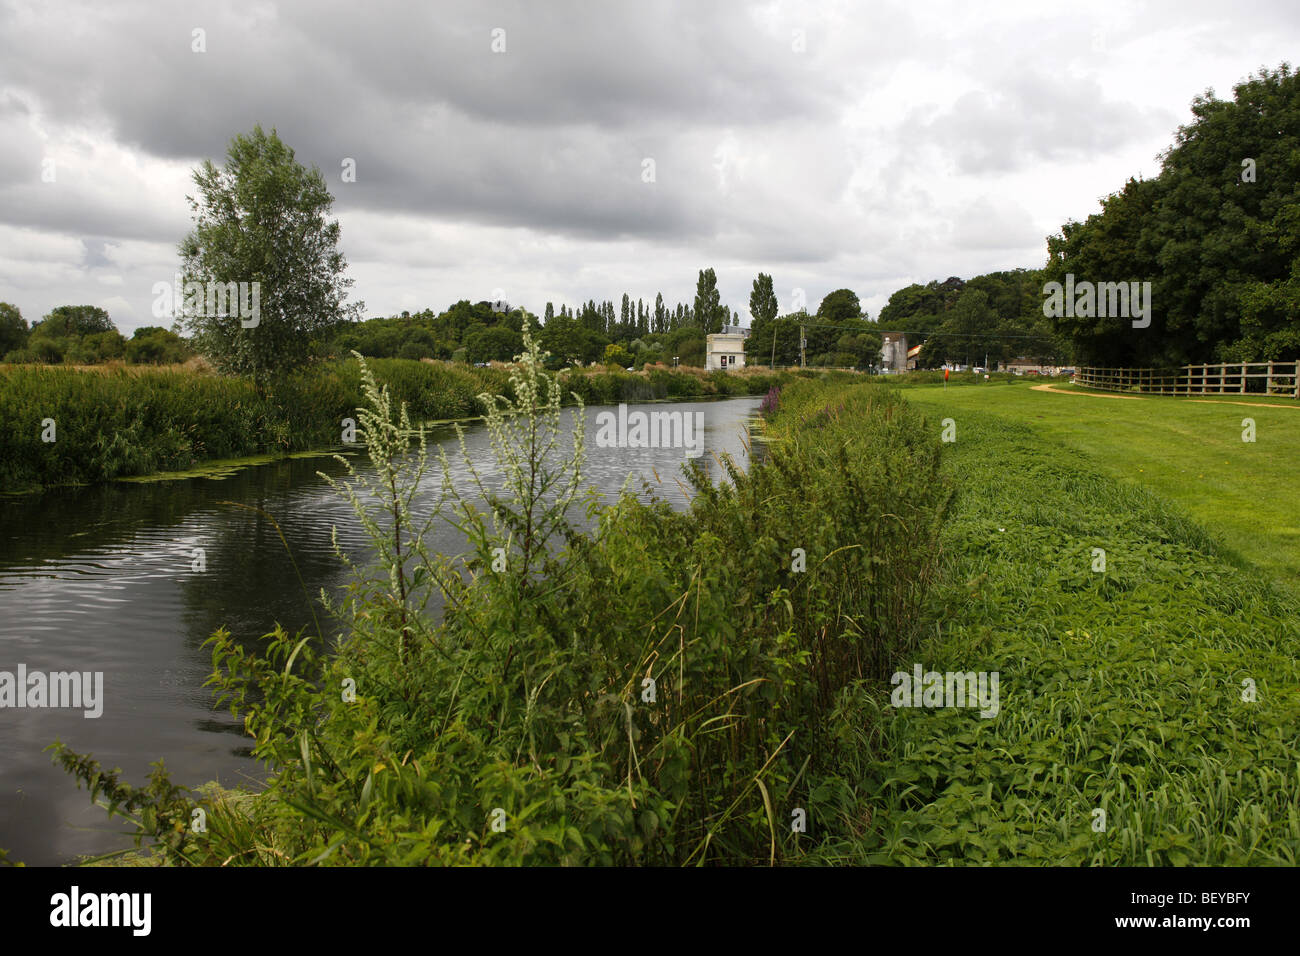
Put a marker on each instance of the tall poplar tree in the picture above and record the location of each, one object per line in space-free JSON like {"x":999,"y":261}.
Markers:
{"x":708,"y":302}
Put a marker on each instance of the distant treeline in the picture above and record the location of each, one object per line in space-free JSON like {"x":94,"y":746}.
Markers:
{"x":638,"y":334}
{"x":988,"y":320}
{"x":83,"y":335}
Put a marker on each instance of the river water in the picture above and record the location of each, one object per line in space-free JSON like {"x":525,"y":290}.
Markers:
{"x":103,"y":579}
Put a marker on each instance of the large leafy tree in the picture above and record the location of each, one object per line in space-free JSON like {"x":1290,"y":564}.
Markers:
{"x":569,"y":340}
{"x":154,"y":344}
{"x":839,"y":306}
{"x":965,"y":327}
{"x":74,"y":321}
{"x":13,"y":328}
{"x":263,"y":218}
{"x":496,"y":344}
{"x":775,"y":339}
{"x":82,"y":334}
{"x":1217,"y":233}
{"x":838,"y":316}
{"x":1106,"y":249}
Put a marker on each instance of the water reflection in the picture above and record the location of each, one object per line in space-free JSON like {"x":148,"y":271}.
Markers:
{"x":102,"y":579}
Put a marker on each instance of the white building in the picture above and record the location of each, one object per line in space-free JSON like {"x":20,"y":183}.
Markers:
{"x":894,"y":352}
{"x":725,"y":349}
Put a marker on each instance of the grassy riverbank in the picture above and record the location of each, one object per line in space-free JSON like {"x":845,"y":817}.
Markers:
{"x":1121,"y":690}
{"x":713,"y":686}
{"x":1189,"y":451}
{"x":111,"y":423}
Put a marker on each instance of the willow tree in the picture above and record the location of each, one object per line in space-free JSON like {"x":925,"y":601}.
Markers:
{"x":262,"y":237}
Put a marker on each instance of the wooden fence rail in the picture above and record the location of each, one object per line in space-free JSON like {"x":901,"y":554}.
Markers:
{"x":1266,"y":378}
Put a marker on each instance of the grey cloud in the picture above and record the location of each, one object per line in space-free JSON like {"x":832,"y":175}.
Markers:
{"x":527,"y":164}
{"x":1031,"y":118}
{"x":549,"y":134}
{"x":94,"y":257}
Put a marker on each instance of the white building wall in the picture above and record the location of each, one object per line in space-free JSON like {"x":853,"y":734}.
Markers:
{"x":724,"y":352}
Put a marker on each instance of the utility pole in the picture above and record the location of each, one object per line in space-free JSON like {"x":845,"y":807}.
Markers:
{"x":773,"y":362}
{"x":803,"y":344}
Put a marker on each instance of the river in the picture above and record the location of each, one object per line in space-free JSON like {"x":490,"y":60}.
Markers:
{"x":103,"y":579}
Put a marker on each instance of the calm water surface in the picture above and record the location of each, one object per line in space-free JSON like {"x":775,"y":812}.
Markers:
{"x":101,"y":579}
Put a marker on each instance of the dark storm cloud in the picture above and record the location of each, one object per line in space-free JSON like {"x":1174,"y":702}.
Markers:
{"x":551,"y":133}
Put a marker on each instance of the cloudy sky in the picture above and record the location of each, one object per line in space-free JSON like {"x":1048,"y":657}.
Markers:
{"x":504,"y":146}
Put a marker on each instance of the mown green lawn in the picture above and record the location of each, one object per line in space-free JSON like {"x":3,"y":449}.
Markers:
{"x":1188,"y":452}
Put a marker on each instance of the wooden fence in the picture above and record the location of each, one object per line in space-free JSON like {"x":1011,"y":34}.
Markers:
{"x":1264,"y":378}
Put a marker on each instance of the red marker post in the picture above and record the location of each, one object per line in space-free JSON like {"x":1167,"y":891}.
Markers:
{"x":945,"y":378}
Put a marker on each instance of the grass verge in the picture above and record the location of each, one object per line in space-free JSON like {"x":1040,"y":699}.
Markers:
{"x":1148,"y":712}
{"x":1189,"y":452}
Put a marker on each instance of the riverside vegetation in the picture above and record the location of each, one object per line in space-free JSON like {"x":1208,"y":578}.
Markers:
{"x":114,"y":423}
{"x":670,"y":688}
